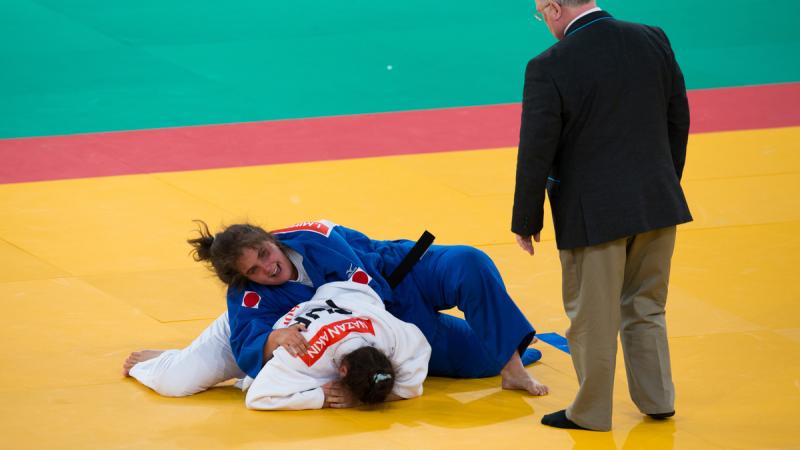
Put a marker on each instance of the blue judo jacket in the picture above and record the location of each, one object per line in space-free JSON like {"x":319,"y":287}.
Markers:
{"x":330,"y":253}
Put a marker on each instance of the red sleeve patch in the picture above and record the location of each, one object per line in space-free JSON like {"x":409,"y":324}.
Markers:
{"x":359,"y":276}
{"x":251,"y":299}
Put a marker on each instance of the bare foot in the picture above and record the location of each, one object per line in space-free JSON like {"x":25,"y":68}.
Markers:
{"x":137,"y":357}
{"x":515,"y":377}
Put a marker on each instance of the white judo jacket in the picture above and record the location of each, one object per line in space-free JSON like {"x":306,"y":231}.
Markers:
{"x":340,"y":318}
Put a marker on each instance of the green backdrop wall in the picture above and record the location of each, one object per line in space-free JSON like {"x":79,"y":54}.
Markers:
{"x":89,"y":65}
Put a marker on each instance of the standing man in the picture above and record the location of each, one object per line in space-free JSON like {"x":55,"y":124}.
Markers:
{"x":605,"y":121}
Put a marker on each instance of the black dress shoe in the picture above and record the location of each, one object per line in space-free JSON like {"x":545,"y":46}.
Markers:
{"x":662,"y":416}
{"x":559,"y":419}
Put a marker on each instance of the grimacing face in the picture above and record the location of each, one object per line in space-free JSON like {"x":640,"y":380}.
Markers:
{"x":266,"y":264}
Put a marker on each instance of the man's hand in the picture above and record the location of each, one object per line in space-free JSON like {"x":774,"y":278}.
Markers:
{"x":336,"y":396}
{"x":290,"y":338}
{"x":525,"y":242}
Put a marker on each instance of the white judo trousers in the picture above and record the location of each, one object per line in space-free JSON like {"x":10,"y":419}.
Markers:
{"x":209,"y":360}
{"x":340,"y":318}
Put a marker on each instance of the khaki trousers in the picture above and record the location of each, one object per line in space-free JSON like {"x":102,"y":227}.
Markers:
{"x":619,"y":287}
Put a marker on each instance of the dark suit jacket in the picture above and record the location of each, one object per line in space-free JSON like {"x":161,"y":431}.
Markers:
{"x":605,"y":121}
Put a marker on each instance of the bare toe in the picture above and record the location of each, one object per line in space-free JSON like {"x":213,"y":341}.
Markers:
{"x":137,"y":357}
{"x":540,"y":389}
{"x":525,"y":383}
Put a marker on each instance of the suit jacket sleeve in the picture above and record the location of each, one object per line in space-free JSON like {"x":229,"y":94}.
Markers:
{"x":678,"y":113}
{"x":540,"y":130}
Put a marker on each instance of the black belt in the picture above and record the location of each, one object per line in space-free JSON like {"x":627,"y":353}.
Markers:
{"x":414,"y":255}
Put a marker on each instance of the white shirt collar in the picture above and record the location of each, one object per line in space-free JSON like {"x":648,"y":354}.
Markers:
{"x":297,"y":260}
{"x":595,"y":9}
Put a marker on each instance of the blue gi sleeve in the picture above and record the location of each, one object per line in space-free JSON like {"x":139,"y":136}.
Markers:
{"x":250,"y":329}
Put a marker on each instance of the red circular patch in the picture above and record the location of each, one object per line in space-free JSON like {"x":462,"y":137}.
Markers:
{"x":251,"y":299}
{"x":361,"y":277}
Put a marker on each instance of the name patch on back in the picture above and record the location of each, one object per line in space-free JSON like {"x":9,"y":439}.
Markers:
{"x":322,"y":227}
{"x":333,"y":333}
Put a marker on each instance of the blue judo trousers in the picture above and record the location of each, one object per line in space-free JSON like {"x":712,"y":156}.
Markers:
{"x":445,"y":277}
{"x":465,"y":278}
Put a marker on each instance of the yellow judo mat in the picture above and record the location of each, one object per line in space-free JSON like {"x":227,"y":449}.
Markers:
{"x":93,"y":269}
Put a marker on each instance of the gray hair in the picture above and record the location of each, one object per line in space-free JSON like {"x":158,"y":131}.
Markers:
{"x":572,"y":3}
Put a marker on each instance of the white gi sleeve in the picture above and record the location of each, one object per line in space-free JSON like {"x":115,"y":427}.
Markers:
{"x":279,"y":386}
{"x":410,"y":359}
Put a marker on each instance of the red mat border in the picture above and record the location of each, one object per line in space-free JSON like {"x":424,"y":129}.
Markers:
{"x":342,"y":137}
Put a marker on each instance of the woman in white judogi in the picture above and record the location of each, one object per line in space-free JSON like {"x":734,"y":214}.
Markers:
{"x":354,"y":347}
{"x":351,"y":338}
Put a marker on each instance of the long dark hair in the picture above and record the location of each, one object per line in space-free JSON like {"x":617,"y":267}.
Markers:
{"x":221,"y":251}
{"x":370,"y":375}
